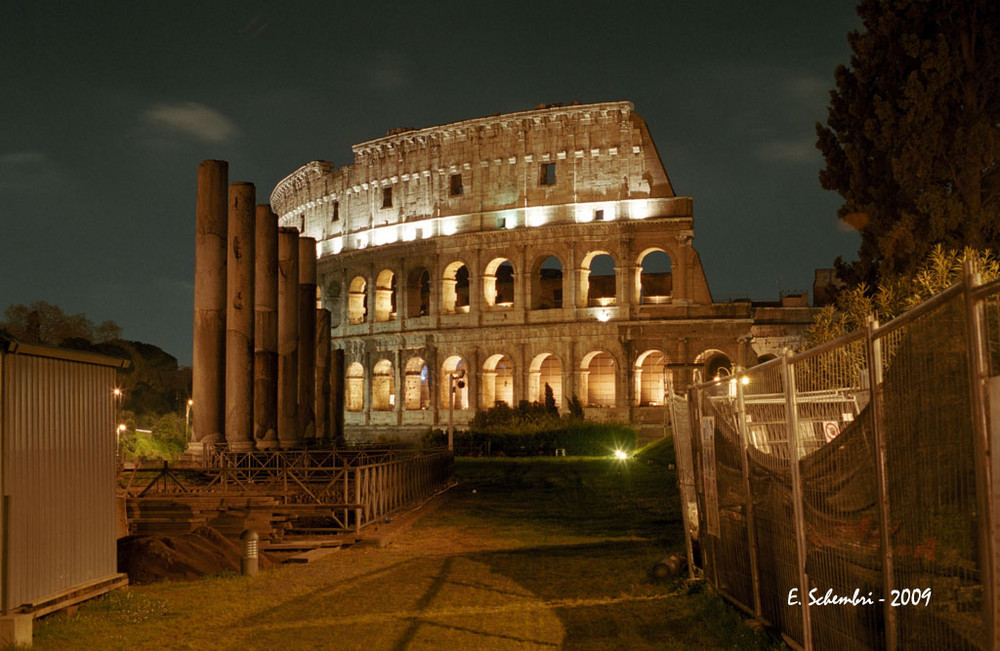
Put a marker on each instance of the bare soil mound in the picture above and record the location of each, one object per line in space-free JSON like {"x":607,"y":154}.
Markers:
{"x":182,"y":557}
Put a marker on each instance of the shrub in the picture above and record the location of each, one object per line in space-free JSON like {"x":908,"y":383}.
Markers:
{"x":531,"y":429}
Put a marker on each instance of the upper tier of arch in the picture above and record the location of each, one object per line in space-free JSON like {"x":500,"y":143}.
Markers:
{"x":557,"y":164}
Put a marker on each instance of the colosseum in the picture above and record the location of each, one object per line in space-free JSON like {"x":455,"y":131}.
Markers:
{"x":491,"y":257}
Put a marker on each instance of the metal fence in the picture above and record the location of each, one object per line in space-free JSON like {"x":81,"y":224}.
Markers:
{"x":357,"y":487}
{"x":847,"y":495}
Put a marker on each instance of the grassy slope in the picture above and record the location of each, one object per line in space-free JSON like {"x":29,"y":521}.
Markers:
{"x":529,"y":553}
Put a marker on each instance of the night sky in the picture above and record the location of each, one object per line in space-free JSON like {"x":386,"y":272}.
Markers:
{"x":108,"y":107}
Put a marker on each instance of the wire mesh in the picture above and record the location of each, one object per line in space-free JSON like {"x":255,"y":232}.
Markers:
{"x":930,"y":467}
{"x":882,"y":437}
{"x":840,"y":493}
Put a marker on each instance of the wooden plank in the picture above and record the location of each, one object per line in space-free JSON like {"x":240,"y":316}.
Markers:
{"x":74,"y":595}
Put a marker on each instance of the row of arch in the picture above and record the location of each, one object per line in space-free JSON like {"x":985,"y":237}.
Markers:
{"x":596,"y":381}
{"x":596,"y":286}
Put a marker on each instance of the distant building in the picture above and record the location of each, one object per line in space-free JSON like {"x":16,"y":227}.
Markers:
{"x":826,"y":284}
{"x":525,"y":249}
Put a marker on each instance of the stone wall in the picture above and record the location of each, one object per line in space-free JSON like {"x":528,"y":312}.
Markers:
{"x":534,"y":248}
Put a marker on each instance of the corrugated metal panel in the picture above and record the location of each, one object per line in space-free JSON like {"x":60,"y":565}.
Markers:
{"x":58,"y":473}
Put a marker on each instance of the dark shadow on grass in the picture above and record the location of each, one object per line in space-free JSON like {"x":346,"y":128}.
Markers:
{"x":425,"y":601}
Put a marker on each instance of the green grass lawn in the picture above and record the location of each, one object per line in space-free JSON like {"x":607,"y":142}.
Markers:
{"x":521,"y":553}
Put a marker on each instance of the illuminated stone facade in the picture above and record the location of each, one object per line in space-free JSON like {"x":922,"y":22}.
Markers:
{"x":532,"y":248}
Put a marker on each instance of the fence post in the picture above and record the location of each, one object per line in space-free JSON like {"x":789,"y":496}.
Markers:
{"x":873,"y":351}
{"x":704,"y":537}
{"x":800,"y":524}
{"x":985,"y":505}
{"x":751,"y":530}
{"x":685,"y":467}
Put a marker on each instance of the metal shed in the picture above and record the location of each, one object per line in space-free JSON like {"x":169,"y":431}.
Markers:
{"x":57,"y":473}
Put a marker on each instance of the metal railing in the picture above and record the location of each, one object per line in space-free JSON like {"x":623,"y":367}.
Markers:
{"x":357,"y":487}
{"x":847,"y":495}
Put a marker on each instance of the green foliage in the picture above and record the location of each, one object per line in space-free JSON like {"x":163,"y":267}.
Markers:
{"x":152,"y":385}
{"x":43,"y":323}
{"x":550,"y":400}
{"x":912,"y":141}
{"x":940,"y":269}
{"x":166,"y":440}
{"x":532,"y":429}
{"x":528,"y":417}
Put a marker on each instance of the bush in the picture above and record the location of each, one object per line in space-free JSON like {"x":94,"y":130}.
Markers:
{"x":166,"y":441}
{"x":533,"y":428}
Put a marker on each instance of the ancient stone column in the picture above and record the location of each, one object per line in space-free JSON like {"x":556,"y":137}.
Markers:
{"x":307,"y":338}
{"x":265,"y":329}
{"x":239,"y":318}
{"x":322,"y":374}
{"x":337,"y":394}
{"x":209,"y":360}
{"x":288,"y":337}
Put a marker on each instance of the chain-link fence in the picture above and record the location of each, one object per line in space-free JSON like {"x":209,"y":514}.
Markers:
{"x":846,"y":495}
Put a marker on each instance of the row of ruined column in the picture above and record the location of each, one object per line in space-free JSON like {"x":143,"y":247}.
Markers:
{"x":262,"y":360}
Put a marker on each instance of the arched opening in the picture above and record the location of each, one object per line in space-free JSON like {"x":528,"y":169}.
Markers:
{"x":498,"y":283}
{"x":455,"y":367}
{"x":418,"y":293}
{"x":416,"y":385}
{"x":383,"y":386}
{"x":385,"y":296}
{"x":332,"y":302}
{"x":714,"y":364}
{"x":455,"y":289}
{"x":598,"y":379}
{"x":651,"y":379}
{"x":357,"y":301}
{"x":597,"y":280}
{"x":656,"y":280}
{"x":547,"y":286}
{"x":498,"y":381}
{"x":545,"y":369}
{"x":355,"y":387}
{"x":766,"y":357}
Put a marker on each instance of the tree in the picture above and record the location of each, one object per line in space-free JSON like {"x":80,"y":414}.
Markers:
{"x":939,"y":270}
{"x":43,"y":323}
{"x":550,"y":400}
{"x":912,"y":142}
{"x":153,"y":384}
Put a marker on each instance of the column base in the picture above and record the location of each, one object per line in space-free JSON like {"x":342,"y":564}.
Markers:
{"x":240,"y":446}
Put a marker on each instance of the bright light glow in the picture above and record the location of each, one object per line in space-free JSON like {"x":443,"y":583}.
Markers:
{"x":538,"y":215}
{"x":386,"y":235}
{"x":118,"y":392}
{"x":190,"y":402}
{"x":584,"y":213}
{"x":449,"y":227}
{"x":621,"y":454}
{"x":640,"y":209}
{"x":122,"y":427}
{"x":745,"y":380}
{"x":603,"y":315}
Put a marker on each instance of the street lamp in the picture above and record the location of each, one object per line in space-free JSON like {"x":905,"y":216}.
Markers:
{"x":187,"y":419}
{"x":118,"y":394}
{"x":456,"y":380}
